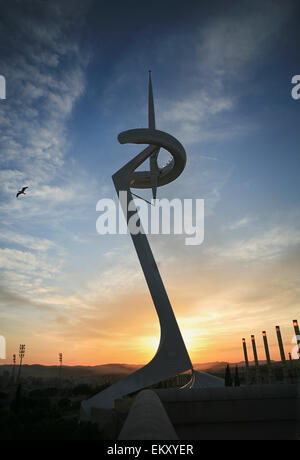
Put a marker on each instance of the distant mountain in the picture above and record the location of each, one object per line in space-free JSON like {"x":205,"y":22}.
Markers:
{"x":212,"y":367}
{"x":219,"y":366}
{"x":115,"y":368}
{"x":78,"y":372}
{"x":48,"y":372}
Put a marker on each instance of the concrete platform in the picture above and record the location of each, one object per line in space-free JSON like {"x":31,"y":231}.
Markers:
{"x":250,"y":412}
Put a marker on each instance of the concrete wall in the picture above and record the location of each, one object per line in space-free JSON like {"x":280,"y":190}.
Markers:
{"x":254,"y":412}
{"x":147,"y":419}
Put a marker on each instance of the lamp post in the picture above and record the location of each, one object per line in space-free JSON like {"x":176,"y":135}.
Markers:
{"x":265,"y":339}
{"x":21,"y":356}
{"x":254,"y":350}
{"x":13,"y":369}
{"x":60,"y":358}
{"x":255,"y":358}
{"x":282,"y":353}
{"x":246,"y":360}
{"x":280,"y":343}
{"x":245,"y":353}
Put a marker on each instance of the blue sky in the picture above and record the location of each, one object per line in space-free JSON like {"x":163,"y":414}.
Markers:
{"x":77,"y":76}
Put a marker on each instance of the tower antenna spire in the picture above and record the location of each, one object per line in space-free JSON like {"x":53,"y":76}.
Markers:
{"x":151,"y":113}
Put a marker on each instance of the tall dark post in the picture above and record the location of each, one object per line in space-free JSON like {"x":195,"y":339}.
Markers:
{"x":297,"y":334}
{"x":60,"y":357}
{"x":246,"y":361}
{"x":13,"y":369}
{"x":245,"y":353}
{"x":266,"y":347}
{"x":280,"y":343}
{"x":21,"y":356}
{"x":258,"y":379}
{"x":270,"y":373}
{"x":254,"y":350}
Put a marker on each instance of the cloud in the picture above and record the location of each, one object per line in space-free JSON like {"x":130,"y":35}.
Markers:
{"x":26,"y":262}
{"x":228,"y":44}
{"x":197,"y":108}
{"x":241,"y":223}
{"x":45,"y":66}
{"x":197,"y":117}
{"x":44,"y":82}
{"x":214,"y":57}
{"x":58,"y":194}
{"x":262,"y":247}
{"x":13,"y":300}
{"x":27,"y":241}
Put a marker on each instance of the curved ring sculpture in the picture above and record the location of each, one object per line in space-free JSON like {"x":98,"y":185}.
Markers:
{"x":142,"y":179}
{"x":171,"y":357}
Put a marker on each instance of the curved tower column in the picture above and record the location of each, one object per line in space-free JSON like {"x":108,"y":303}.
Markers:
{"x":171,"y":357}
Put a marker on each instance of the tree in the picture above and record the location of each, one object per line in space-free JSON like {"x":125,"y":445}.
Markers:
{"x":228,"y":378}
{"x":16,"y":402}
{"x":237,"y":382}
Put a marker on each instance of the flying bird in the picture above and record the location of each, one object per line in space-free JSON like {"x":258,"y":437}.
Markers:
{"x":22,"y":192}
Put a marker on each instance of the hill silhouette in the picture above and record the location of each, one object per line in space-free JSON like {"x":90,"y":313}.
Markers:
{"x":41,"y":371}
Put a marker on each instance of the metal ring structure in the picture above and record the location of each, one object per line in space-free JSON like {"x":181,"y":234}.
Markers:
{"x":153,"y":137}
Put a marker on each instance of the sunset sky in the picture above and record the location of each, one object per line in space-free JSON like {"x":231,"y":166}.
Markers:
{"x":76,"y":75}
